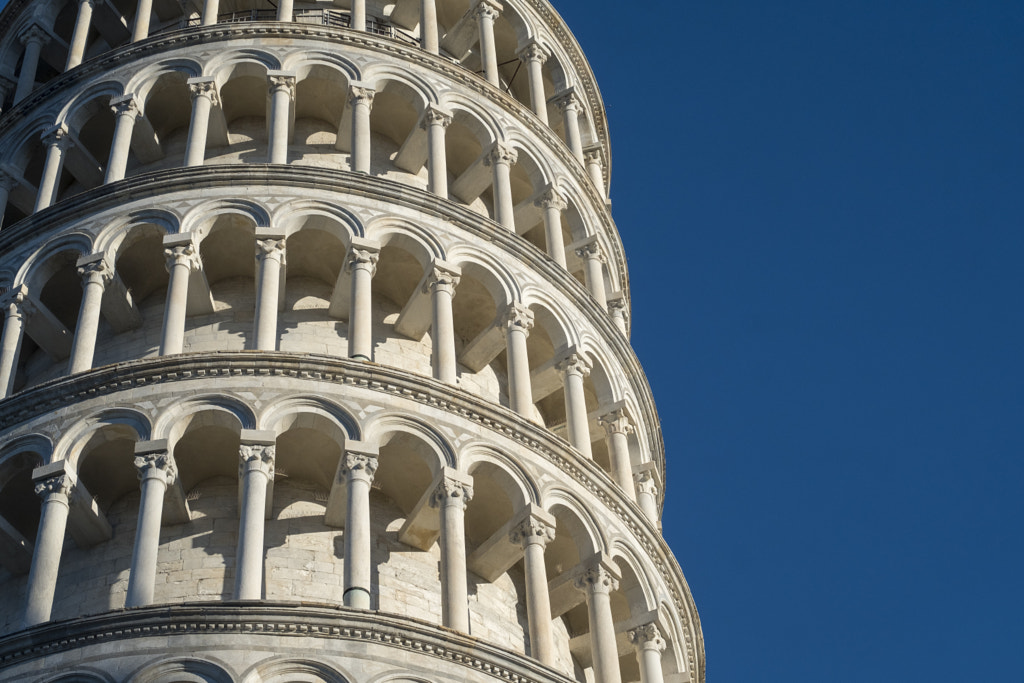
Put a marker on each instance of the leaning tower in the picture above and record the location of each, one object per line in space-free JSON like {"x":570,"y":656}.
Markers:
{"x":315,"y":361}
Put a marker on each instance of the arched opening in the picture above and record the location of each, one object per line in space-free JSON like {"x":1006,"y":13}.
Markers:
{"x":228,"y":255}
{"x":315,"y":264}
{"x":321,"y":95}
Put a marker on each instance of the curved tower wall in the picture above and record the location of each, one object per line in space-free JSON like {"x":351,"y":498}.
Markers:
{"x":315,"y":359}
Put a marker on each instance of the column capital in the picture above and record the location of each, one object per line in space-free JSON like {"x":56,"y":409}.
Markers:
{"x":518,"y":316}
{"x":453,"y":489}
{"x":58,"y":136}
{"x":360,"y":94}
{"x":486,"y":9}
{"x":359,"y":465}
{"x":362,"y":255}
{"x":594,"y":155}
{"x":647,"y":637}
{"x":94,"y":269}
{"x":617,"y":304}
{"x":533,"y":51}
{"x":281,"y":81}
{"x":270,"y":247}
{"x":153,"y":460}
{"x":34,"y":33}
{"x":500,"y":153}
{"x":443,"y":276}
{"x":8,"y":179}
{"x":532,"y":530}
{"x":16,"y":302}
{"x":646,"y":478}
{"x":435,"y":116}
{"x":567,"y":100}
{"x":182,"y":254}
{"x":598,"y":576}
{"x":574,"y":363}
{"x":54,"y":481}
{"x":589,"y":248}
{"x":616,"y":421}
{"x":126,"y":105}
{"x":204,"y":87}
{"x":257,"y":457}
{"x":551,"y":198}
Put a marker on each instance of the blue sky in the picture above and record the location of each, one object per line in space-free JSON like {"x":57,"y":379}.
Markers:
{"x":821,"y":203}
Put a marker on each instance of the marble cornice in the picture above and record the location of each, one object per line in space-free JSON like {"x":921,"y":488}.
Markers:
{"x":111,"y":379}
{"x":325,"y":180}
{"x":170,"y":40}
{"x":277,"y":619}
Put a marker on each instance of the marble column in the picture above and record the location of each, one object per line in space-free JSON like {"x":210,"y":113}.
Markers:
{"x":501,"y":159}
{"x":594,"y":160}
{"x":7,"y":183}
{"x":270,"y":258}
{"x":58,"y":142}
{"x":486,"y":12}
{"x":256,"y":471}
{"x":647,"y":484}
{"x":451,"y":496}
{"x":441,"y":284}
{"x":362,"y":264}
{"x":126,"y":113}
{"x":533,"y":535}
{"x":284,"y":10}
{"x":617,"y":310}
{"x":16,"y":306}
{"x":181,"y":260}
{"x":574,"y":368}
{"x":553,"y":204}
{"x":533,"y":57}
{"x":33,"y":38}
{"x":56,"y":490}
{"x":358,"y":470}
{"x":143,"y":13}
{"x":210,"y":11}
{"x":649,"y":646}
{"x":358,"y":15}
{"x":156,"y":471}
{"x":436,"y":121}
{"x":518,"y":321}
{"x":204,"y":97}
{"x":569,"y":105}
{"x":96,"y":274}
{"x":80,"y":35}
{"x":597,"y":582}
{"x":361,"y":100}
{"x":618,"y":427}
{"x":282,"y":92}
{"x":428,"y":26}
{"x":593,"y":270}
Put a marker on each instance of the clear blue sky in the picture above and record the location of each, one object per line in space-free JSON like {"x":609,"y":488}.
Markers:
{"x":821,"y":202}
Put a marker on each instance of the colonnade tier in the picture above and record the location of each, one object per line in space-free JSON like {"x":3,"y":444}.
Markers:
{"x":520,"y":47}
{"x":485,"y":489}
{"x":511,"y":170}
{"x":503,"y":335}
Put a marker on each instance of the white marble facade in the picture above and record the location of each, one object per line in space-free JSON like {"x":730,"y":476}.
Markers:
{"x":315,"y":361}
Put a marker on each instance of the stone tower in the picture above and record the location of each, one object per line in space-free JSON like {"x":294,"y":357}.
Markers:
{"x":315,"y":361}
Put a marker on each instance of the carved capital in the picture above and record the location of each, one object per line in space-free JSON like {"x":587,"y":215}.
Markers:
{"x":270,"y":248}
{"x":616,"y":422}
{"x":34,"y":34}
{"x":95,"y":272}
{"x":596,"y":579}
{"x":617,"y":306}
{"x":518,"y":316}
{"x":501,"y":154}
{"x":257,"y":458}
{"x":61,"y":485}
{"x":156,"y":464}
{"x":204,"y":88}
{"x":452,"y":492}
{"x":433,"y":116}
{"x":182,"y":254}
{"x":7,"y":181}
{"x":361,"y":258}
{"x":551,"y":198}
{"x":16,"y":302}
{"x":488,"y":11}
{"x":574,"y":364}
{"x":567,"y":101}
{"x":125,"y":106}
{"x":532,"y":530}
{"x":358,"y":94}
{"x":59,"y":137}
{"x":646,"y":482}
{"x":534,"y":52}
{"x":591,"y":250}
{"x":359,"y":466}
{"x":278,"y":82}
{"x":442,"y":279}
{"x":647,"y":637}
{"x":594,"y":155}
